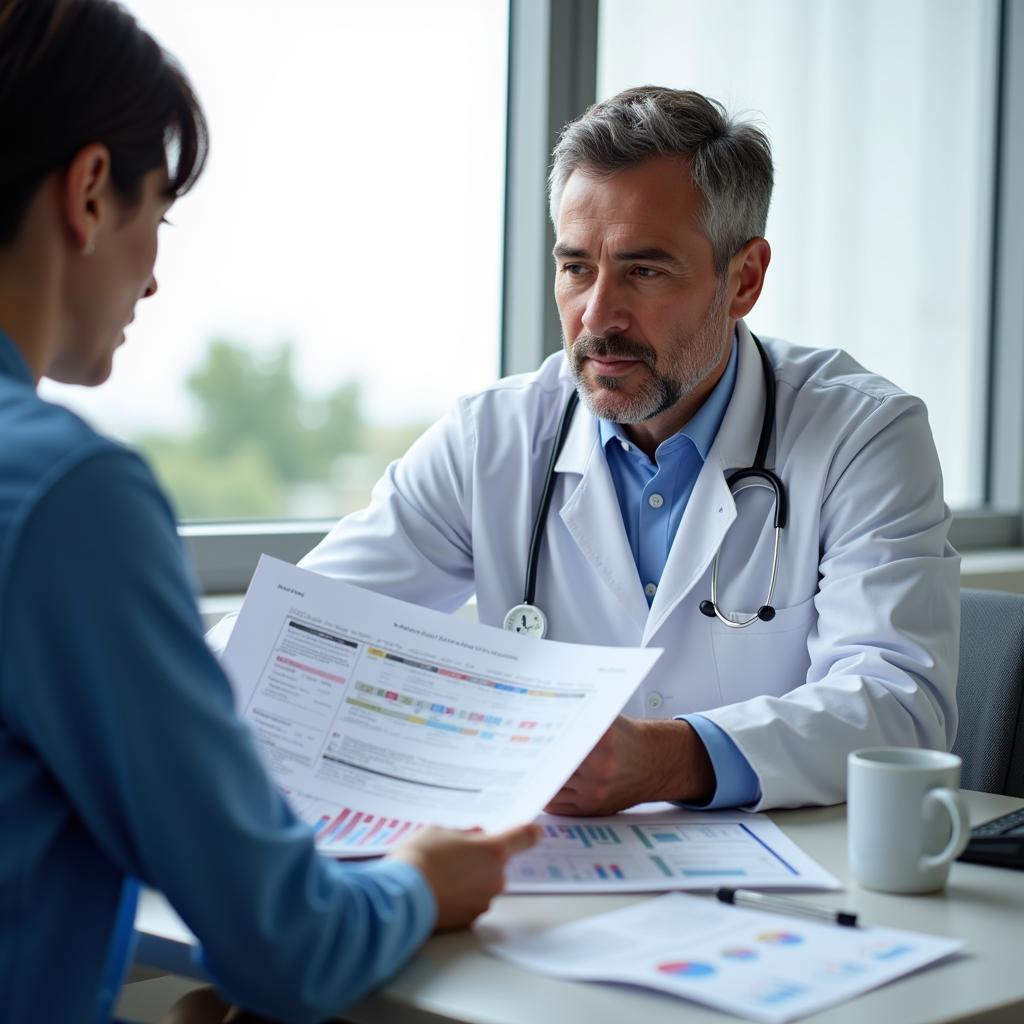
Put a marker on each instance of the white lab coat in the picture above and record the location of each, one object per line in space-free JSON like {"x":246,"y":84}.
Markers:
{"x":863,"y":649}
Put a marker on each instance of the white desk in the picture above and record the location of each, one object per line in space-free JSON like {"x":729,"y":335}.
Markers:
{"x":452,"y":979}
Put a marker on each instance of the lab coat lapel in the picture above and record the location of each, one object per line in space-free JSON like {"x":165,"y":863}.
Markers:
{"x":711,"y":510}
{"x":592,"y":516}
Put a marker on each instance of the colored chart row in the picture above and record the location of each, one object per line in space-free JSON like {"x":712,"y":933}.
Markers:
{"x":497,"y":687}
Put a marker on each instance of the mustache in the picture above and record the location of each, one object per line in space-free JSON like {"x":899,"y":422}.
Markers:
{"x":614,"y":346}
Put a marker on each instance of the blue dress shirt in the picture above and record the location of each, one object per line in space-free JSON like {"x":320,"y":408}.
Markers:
{"x":121,"y":757}
{"x":652,"y":497}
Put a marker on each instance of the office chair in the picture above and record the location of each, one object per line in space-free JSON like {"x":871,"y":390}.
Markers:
{"x":990,"y":692}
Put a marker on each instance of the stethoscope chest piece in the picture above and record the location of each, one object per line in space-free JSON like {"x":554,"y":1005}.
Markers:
{"x":527,"y":619}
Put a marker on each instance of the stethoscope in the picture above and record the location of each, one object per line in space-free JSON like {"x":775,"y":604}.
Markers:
{"x":527,"y":618}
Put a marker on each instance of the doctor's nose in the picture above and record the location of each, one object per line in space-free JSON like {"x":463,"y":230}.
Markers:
{"x":150,"y":288}
{"x":605,"y":312}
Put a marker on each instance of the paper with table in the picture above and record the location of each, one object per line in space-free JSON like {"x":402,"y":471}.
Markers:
{"x":762,"y":966}
{"x":657,"y":847}
{"x":376,"y":716}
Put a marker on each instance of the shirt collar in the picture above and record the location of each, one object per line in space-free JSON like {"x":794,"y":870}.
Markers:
{"x":12,"y":362}
{"x":702,"y":428}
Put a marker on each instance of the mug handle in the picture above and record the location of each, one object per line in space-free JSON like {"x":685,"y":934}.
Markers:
{"x":960,"y":821}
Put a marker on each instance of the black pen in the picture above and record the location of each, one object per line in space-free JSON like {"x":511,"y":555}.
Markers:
{"x":760,"y":901}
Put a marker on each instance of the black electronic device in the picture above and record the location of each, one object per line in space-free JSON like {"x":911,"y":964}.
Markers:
{"x":998,"y":843}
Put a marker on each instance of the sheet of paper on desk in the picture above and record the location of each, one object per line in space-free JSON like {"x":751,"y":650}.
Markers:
{"x":671,"y":849}
{"x":762,"y":966}
{"x":376,"y":716}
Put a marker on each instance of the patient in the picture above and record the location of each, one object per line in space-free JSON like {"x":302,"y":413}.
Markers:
{"x":121,"y":758}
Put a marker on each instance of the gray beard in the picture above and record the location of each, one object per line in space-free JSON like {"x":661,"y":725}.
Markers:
{"x":694,"y":358}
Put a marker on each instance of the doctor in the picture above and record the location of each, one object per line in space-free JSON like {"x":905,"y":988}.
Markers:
{"x":849,"y":637}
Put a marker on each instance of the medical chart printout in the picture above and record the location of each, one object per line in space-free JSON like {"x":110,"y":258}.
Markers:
{"x":766,"y":967}
{"x":376,"y":717}
{"x":671,"y":848}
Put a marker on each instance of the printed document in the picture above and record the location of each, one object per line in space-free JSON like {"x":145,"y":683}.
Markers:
{"x":659,"y":847}
{"x":376,"y":717}
{"x":766,"y":967}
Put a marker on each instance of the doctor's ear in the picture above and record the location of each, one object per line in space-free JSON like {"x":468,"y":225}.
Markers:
{"x":86,"y":196}
{"x":746,"y":273}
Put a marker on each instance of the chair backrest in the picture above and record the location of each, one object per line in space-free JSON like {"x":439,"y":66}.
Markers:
{"x":990,"y":691}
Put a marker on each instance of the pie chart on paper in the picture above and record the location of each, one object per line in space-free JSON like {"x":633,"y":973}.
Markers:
{"x":687,"y":969}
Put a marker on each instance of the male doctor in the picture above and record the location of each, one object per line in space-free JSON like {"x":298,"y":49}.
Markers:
{"x":659,"y":202}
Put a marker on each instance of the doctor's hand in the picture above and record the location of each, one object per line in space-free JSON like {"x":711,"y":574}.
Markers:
{"x":465,"y":870}
{"x":636,"y":761}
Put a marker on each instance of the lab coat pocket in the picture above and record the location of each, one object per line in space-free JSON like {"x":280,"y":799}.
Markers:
{"x":764,"y":657}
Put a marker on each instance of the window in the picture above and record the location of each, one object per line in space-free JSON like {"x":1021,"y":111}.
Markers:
{"x":346,"y":244}
{"x":882,"y":121}
{"x":333,"y":282}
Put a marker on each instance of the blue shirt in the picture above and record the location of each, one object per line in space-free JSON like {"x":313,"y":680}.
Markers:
{"x":121,"y":757}
{"x":652,"y":497}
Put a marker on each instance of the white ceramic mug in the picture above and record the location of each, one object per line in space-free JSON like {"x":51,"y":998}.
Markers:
{"x":906,"y":818}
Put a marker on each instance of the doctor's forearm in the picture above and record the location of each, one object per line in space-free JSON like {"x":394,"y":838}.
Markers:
{"x":636,"y":761}
{"x":679,"y":768}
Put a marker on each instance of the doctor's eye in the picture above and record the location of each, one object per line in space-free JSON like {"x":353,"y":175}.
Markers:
{"x":646,"y":273}
{"x":572,"y":269}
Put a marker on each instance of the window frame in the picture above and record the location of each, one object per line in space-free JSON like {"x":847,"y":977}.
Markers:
{"x":543,"y":94}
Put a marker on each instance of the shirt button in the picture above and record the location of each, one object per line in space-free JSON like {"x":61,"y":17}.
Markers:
{"x":625,"y":445}
{"x":655,"y":501}
{"x":654,"y":701}
{"x":651,"y":589}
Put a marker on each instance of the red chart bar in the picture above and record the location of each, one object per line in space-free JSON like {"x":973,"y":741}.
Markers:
{"x":348,"y":828}
{"x":334,"y":825}
{"x":381,"y":822}
{"x":391,"y":836}
{"x":406,"y":825}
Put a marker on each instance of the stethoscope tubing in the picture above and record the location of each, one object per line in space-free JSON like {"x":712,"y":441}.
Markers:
{"x":536,"y":538}
{"x":758,"y":472}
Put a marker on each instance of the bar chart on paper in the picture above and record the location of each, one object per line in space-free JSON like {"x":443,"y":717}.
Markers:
{"x":691,"y":850}
{"x":377,"y":717}
{"x":346,"y":831}
{"x":722,"y":854}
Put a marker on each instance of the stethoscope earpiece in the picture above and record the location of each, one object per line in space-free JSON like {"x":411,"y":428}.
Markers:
{"x":766,"y":613}
{"x":707,"y":608}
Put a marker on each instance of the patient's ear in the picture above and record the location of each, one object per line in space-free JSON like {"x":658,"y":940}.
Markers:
{"x":86,"y":200}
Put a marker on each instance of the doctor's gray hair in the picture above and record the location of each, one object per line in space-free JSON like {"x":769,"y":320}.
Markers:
{"x":730,"y":160}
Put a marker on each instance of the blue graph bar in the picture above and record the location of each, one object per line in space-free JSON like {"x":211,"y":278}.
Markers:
{"x":576,"y":832}
{"x":711,"y":872}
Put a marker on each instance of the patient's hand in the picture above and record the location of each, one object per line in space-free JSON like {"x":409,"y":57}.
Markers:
{"x":466,"y":870}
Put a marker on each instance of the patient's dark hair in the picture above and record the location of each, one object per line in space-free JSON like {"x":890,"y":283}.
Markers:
{"x":75,"y":72}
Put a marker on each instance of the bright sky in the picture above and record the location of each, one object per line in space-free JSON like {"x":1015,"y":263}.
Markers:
{"x":352,"y":203}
